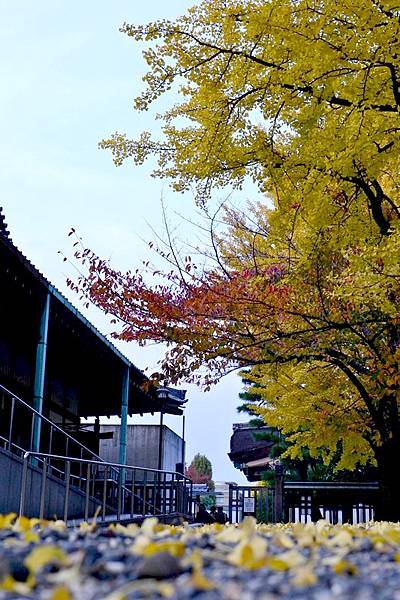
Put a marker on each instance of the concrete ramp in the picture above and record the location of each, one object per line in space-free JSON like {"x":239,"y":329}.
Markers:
{"x":53,"y":496}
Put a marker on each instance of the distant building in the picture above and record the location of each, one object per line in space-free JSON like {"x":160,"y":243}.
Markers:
{"x":143,"y":446}
{"x":249,"y":454}
{"x":222,"y":494}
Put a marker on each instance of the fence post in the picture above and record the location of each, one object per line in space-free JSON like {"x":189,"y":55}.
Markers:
{"x":43,"y":489}
{"x":23,"y":486}
{"x":87,"y":492}
{"x":144,"y":492}
{"x":279,"y":475}
{"x":10,"y":431}
{"x":104,"y":494}
{"x":67,"y":484}
{"x":179,"y":494}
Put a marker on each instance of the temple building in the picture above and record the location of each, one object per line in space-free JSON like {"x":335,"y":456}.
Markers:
{"x":57,"y":362}
{"x":249,"y":454}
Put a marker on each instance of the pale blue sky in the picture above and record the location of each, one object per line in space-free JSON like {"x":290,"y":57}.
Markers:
{"x":68,"y":78}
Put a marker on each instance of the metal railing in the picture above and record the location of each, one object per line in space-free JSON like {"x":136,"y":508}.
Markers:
{"x":336,"y":501}
{"x":117,"y":489}
{"x":17,"y":431}
{"x":253,"y":500}
{"x":117,"y":492}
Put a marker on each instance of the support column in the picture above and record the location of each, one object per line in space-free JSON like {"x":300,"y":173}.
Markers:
{"x":122,"y":438}
{"x":40,"y":372}
{"x":124,"y":417}
{"x":160,"y":442}
{"x":183,"y":444}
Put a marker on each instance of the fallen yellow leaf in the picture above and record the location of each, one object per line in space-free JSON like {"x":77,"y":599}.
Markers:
{"x":277,"y":564}
{"x":42,"y":555}
{"x":7,"y":520}
{"x":61,"y":593}
{"x":304,"y":576}
{"x":174,"y":548}
{"x":343,"y":567}
{"x":200,"y":582}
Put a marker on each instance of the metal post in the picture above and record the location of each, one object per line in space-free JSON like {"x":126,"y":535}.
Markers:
{"x":67,"y":484}
{"x":279,"y":474}
{"x":96,"y":431}
{"x":94,"y":477}
{"x":87,"y":492}
{"x":183,"y":444}
{"x":50,"y":438}
{"x":172,"y":504}
{"x":23,"y":486}
{"x":156,"y":483}
{"x":144,"y":492}
{"x":33,"y":417}
{"x":184,"y":497}
{"x":43,"y":488}
{"x":132,"y":490}
{"x":80,"y":469}
{"x":104,"y":493}
{"x":160,"y":442}
{"x":40,"y":371}
{"x":164,"y":494}
{"x":124,"y":423}
{"x":124,"y":417}
{"x":119,"y":495}
{"x":11,"y":423}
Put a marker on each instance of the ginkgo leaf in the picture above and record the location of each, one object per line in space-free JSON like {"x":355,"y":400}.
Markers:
{"x":174,"y":548}
{"x":43,"y":555}
{"x":344,"y":567}
{"x":200,"y":582}
{"x":342,"y":538}
{"x":149,"y":525}
{"x":292,"y":558}
{"x":304,"y":576}
{"x":61,"y":593}
{"x":7,"y":520}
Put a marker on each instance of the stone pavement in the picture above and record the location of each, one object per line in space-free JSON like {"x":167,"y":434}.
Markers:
{"x":46,"y":560}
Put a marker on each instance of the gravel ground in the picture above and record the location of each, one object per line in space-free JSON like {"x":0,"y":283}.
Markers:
{"x":268,"y":562}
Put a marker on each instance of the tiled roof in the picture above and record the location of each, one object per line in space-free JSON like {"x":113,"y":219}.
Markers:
{"x":244,"y":439}
{"x":5,"y":238}
{"x":168,"y":399}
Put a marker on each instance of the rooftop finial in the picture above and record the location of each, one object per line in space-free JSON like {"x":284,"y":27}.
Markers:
{"x":3,"y":225}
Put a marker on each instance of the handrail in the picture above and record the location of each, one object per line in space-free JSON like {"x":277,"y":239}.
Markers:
{"x":159,"y":485}
{"x":103,"y":463}
{"x":6,"y":441}
{"x":46,"y":420}
{"x":117,"y":471}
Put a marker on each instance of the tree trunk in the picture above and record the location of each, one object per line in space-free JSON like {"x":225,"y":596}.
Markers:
{"x":388,"y":502}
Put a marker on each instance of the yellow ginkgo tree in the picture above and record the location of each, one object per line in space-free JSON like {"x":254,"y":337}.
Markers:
{"x":303,"y":97}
